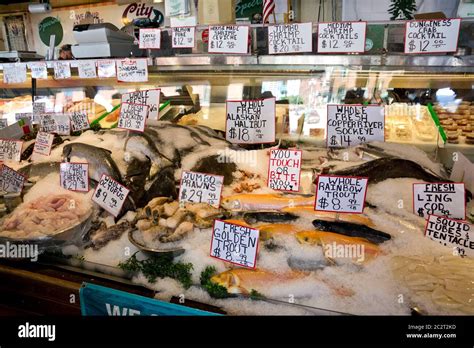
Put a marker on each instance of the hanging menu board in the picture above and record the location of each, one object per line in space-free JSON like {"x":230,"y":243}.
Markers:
{"x":235,"y":243}
{"x":284,"y":170}
{"x":11,"y":180}
{"x":453,"y":233}
{"x":132,"y":70}
{"x":14,"y":73}
{"x":232,"y":39}
{"x":183,"y":37}
{"x":149,"y":38}
{"x":10,"y":150}
{"x":250,"y":121}
{"x":149,"y":97}
{"x":350,"y":125}
{"x":432,"y":36}
{"x":444,"y":199}
{"x":341,"y":37}
{"x":290,"y":38}
{"x":341,"y":194}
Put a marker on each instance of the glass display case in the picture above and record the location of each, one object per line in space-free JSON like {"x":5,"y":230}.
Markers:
{"x":163,"y":245}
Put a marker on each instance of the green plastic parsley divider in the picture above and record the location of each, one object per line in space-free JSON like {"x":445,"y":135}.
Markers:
{"x":435,"y":118}
{"x":101,"y":117}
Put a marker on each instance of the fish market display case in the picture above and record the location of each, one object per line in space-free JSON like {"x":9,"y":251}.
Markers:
{"x":157,"y":244}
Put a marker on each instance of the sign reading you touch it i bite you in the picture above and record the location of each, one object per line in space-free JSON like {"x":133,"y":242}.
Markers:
{"x":284,"y":170}
{"x":250,"y":121}
{"x":350,"y":125}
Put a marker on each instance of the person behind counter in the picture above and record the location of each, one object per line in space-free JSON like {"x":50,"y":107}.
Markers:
{"x":65,"y":52}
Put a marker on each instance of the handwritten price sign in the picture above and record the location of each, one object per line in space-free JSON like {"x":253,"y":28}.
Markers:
{"x":132,"y":70}
{"x":149,"y":97}
{"x":251,"y":121}
{"x":183,"y":37}
{"x":43,"y":143}
{"x":133,"y":116}
{"x":234,"y":243}
{"x":444,"y":199}
{"x":228,"y":39}
{"x":201,"y":188}
{"x":341,"y":37}
{"x":62,"y":70}
{"x":79,"y":121}
{"x":432,"y":36}
{"x":87,"y":69}
{"x":10,"y":150}
{"x":106,"y":68}
{"x":284,"y":170}
{"x":110,"y":195}
{"x":14,"y":73}
{"x":75,"y":176}
{"x":38,"y":70}
{"x":11,"y":180}
{"x":290,"y":38}
{"x":150,"y":38}
{"x":341,"y":194}
{"x":455,"y":233}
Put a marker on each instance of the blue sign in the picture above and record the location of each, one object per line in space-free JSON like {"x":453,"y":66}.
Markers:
{"x":98,"y":300}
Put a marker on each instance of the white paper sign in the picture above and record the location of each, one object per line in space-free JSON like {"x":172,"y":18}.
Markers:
{"x":454,"y":233}
{"x":11,"y":180}
{"x":79,"y":121}
{"x":183,"y":37}
{"x":251,"y":121}
{"x":341,"y":194}
{"x":110,"y":195}
{"x":3,"y":123}
{"x":133,"y":116}
{"x":62,"y":70}
{"x":48,"y":123}
{"x":463,"y":171}
{"x":86,"y":69}
{"x":150,"y":38}
{"x":235,"y":244}
{"x":39,"y":108}
{"x":290,"y":38}
{"x":201,"y":188}
{"x":75,"y":176}
{"x":284,"y":170}
{"x":14,"y":73}
{"x":10,"y":150}
{"x":38,"y":70}
{"x":177,"y":8}
{"x":132,"y":70}
{"x":350,"y":125}
{"x":150,"y":97}
{"x":106,"y":68}
{"x":432,"y":36}
{"x":442,"y":199}
{"x":43,"y":143}
{"x":24,"y":115}
{"x":341,"y":37}
{"x":231,"y":39}
{"x":63,"y":124}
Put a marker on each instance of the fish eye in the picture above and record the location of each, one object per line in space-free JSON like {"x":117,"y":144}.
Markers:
{"x":236,"y":204}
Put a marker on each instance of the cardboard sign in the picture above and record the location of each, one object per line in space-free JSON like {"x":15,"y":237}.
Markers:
{"x":106,"y":68}
{"x":43,"y":143}
{"x":341,"y":194}
{"x":74,"y":176}
{"x":11,"y":180}
{"x":432,"y":36}
{"x":201,"y":188}
{"x":62,"y":70}
{"x":79,"y":121}
{"x":14,"y":73}
{"x":38,"y":70}
{"x":284,"y":170}
{"x":442,"y":199}
{"x":290,"y":38}
{"x":132,"y":70}
{"x":183,"y":37}
{"x":250,"y":121}
{"x":10,"y":150}
{"x":3,"y":123}
{"x":449,"y":232}
{"x":149,"y":38}
{"x":133,"y":116}
{"x":350,"y":125}
{"x":110,"y":195}
{"x":463,"y":171}
{"x":341,"y":37}
{"x":231,"y":39}
{"x":150,"y":97}
{"x":235,"y":244}
{"x":86,"y":69}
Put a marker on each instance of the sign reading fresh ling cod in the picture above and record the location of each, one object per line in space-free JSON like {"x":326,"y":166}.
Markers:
{"x":444,"y":199}
{"x":350,"y":125}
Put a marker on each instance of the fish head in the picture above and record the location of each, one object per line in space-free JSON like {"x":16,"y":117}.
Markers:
{"x":308,"y":237}
{"x":228,"y":280}
{"x":67,"y":149}
{"x":231,"y":203}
